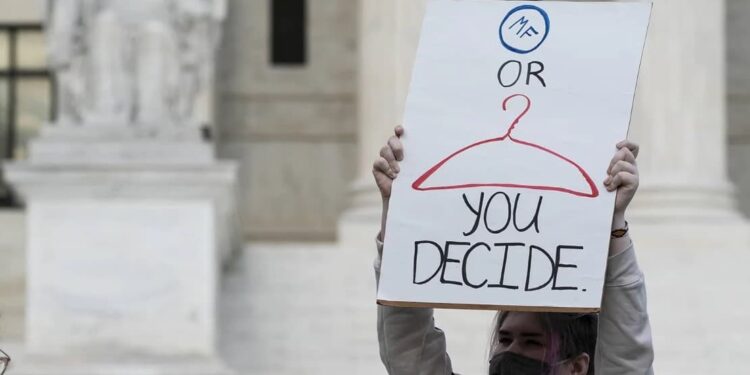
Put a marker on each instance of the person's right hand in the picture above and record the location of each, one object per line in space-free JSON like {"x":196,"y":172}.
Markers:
{"x":386,"y":167}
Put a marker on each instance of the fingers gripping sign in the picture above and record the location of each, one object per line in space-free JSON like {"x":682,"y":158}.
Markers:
{"x":622,"y":175}
{"x":386,"y":167}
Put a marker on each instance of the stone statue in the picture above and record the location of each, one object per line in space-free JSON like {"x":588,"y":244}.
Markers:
{"x":132,"y":63}
{"x":66,"y":57}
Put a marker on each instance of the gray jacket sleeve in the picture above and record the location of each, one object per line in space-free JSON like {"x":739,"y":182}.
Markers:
{"x":624,"y":342}
{"x":411,"y":344}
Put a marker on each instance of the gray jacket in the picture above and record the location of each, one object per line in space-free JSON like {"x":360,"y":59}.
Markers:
{"x":410,"y":344}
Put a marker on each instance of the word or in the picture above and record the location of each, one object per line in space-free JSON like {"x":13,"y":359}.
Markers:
{"x":511,"y":71}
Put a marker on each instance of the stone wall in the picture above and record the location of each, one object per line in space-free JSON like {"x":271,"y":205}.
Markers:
{"x":13,"y":221}
{"x":12,"y":273}
{"x":20,"y":11}
{"x":292,"y":128}
{"x":738,"y":29}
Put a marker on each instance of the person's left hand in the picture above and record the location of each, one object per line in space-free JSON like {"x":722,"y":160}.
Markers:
{"x":623,"y":176}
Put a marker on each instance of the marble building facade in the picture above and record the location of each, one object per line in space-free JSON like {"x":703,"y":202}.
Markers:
{"x":289,"y":119}
{"x":303,"y":137}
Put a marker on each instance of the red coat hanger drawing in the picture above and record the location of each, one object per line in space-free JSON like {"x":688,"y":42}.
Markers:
{"x":422,"y":183}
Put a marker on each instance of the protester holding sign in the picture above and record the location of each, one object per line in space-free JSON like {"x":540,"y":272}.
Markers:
{"x":617,"y":341}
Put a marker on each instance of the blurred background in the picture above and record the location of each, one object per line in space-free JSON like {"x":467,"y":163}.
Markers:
{"x":300,"y":96}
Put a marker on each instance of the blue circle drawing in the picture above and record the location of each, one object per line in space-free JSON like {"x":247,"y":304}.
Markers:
{"x":518,"y":9}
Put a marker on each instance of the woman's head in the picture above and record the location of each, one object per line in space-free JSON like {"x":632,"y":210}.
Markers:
{"x":543,"y":343}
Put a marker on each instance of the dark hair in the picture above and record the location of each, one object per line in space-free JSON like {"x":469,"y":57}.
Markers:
{"x":570,"y":335}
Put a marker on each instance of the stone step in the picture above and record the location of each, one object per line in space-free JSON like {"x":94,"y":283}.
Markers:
{"x":304,"y":308}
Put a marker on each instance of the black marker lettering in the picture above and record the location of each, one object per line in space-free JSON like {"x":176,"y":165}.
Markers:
{"x":447,"y":259}
{"x":502,"y":68}
{"x":507,"y":213}
{"x":534,"y":220}
{"x":466,"y":262}
{"x":477,"y":212}
{"x":528,"y":269}
{"x":559,"y":265}
{"x":536,"y":73}
{"x":505,"y":261}
{"x":416,"y":256}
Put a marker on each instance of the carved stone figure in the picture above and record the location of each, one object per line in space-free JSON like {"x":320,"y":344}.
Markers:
{"x":132,"y":63}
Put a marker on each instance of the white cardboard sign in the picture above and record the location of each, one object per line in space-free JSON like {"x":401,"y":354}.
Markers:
{"x":511,"y":121}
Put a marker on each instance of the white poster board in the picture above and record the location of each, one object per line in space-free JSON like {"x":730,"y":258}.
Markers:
{"x":511,"y":121}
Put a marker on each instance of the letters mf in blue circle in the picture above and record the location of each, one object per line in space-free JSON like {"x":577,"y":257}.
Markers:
{"x":524,"y":29}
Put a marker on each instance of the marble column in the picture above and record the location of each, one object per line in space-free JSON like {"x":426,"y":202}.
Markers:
{"x":690,"y":238}
{"x":388,"y":38}
{"x":680,"y":121}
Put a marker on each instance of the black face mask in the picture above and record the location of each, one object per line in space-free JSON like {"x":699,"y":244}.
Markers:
{"x":509,"y":363}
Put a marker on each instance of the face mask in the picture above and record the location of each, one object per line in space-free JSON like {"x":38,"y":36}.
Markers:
{"x":509,"y":363}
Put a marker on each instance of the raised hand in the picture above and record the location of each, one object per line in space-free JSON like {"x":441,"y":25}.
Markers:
{"x":623,"y":175}
{"x":385,"y":168}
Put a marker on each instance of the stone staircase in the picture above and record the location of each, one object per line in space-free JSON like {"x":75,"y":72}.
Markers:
{"x":310,"y":308}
